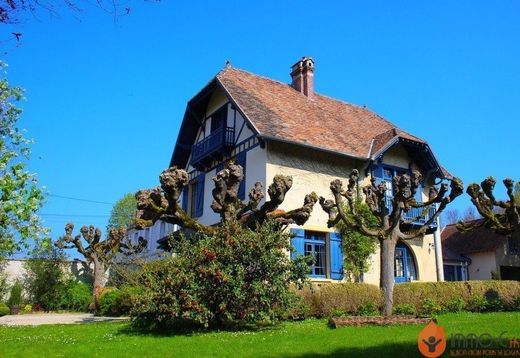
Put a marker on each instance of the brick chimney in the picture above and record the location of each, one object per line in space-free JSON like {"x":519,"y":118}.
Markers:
{"x":302,"y":74}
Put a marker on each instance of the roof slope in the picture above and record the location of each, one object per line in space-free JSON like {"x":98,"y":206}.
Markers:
{"x":278,"y":111}
{"x":480,"y":239}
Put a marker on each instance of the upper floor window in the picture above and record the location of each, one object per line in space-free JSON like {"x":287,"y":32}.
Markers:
{"x":219,"y":118}
{"x":193,"y":197}
{"x":386,"y":173}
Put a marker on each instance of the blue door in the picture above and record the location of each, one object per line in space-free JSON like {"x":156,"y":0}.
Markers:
{"x":404,"y":264}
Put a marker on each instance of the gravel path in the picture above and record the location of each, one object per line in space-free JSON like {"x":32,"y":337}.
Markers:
{"x":54,"y":318}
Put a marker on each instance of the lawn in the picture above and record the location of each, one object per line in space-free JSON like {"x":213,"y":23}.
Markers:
{"x":293,"y":339}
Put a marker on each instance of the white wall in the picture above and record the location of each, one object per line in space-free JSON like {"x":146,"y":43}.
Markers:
{"x":481,"y":265}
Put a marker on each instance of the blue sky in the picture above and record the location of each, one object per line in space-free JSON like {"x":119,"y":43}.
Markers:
{"x":105,"y":100}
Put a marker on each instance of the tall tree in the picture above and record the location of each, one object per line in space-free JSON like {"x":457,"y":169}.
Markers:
{"x":392,"y":226}
{"x":123,"y":212}
{"x":20,"y":196}
{"x":99,"y":254}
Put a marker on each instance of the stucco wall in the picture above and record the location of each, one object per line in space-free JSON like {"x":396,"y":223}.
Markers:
{"x":313,"y":171}
{"x":481,"y":265}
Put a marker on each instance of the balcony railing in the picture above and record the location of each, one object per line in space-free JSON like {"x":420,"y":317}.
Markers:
{"x":217,"y":142}
{"x":416,"y":216}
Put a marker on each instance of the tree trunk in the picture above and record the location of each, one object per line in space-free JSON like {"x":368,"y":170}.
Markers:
{"x":387,"y":273}
{"x":99,"y":282}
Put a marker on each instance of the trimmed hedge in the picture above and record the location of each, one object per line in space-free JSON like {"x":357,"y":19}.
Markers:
{"x":475,"y":296}
{"x":340,"y":299}
{"x":421,"y":298}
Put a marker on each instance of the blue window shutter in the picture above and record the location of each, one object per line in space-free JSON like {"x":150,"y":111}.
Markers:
{"x":336,"y":256}
{"x":185,"y":197}
{"x":241,"y":160}
{"x":298,"y":242}
{"x":199,"y":196}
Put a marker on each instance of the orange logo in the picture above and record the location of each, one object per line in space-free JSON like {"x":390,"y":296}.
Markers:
{"x":432,"y":340}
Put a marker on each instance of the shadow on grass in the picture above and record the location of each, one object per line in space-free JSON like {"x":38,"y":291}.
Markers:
{"x":189,"y":329}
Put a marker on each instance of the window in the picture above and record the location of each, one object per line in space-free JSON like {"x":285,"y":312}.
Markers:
{"x":241,"y":160}
{"x":315,"y":247}
{"x":324,"y":247}
{"x":404,"y":264}
{"x":162,"y":229}
{"x":219,"y":118}
{"x":193,"y":197}
{"x":453,"y":273}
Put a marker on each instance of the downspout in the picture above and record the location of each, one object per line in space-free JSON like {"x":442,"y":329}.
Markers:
{"x":438,"y":253}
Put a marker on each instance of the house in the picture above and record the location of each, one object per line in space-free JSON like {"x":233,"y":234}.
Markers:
{"x":479,"y":254}
{"x":270,"y":127}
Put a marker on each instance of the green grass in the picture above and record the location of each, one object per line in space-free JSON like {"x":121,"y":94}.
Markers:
{"x":292,"y":339}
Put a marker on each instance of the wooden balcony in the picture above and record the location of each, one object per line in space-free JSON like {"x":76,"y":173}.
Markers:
{"x":213,"y":147}
{"x":417,"y":216}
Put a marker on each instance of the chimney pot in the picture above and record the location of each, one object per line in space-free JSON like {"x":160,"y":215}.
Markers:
{"x":302,"y":75}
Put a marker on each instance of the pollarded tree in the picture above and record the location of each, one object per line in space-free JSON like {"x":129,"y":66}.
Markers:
{"x":99,"y":254}
{"x":162,"y":203}
{"x":503,"y":217}
{"x":392,"y":225}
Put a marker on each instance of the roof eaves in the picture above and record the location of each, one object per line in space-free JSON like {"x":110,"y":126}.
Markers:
{"x":321,"y":149}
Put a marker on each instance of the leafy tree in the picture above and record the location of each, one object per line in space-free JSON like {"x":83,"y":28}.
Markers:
{"x":45,"y":278}
{"x":99,"y":254}
{"x":123,"y":212}
{"x":392,"y":226}
{"x":357,"y":248}
{"x":20,"y":197}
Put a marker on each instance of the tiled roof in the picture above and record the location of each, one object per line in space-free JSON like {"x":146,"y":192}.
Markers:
{"x":480,"y":239}
{"x":278,"y":111}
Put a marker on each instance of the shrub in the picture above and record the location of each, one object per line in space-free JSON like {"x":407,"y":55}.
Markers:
{"x":233,"y":275}
{"x":477,"y":303}
{"x":326,"y":299}
{"x":118,"y":302}
{"x":27,"y":309}
{"x":15,"y":295}
{"x":4,"y":310}
{"x":455,"y":305}
{"x":368,"y":309}
{"x":404,"y":309}
{"x":77,"y":296}
{"x":430,"y":307}
{"x":516,"y":303}
{"x":44,"y":277}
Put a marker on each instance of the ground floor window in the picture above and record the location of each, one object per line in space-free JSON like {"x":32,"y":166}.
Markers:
{"x":404,"y":264}
{"x":324,"y":247}
{"x":454,"y":273}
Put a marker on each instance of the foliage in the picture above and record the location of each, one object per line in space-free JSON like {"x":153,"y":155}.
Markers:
{"x":123,"y":212}
{"x":44,"y":279}
{"x":477,"y":303}
{"x":430,"y":307}
{"x":15,"y":295}
{"x":368,"y":309}
{"x":454,"y":305}
{"x":77,"y":296}
{"x":234,"y":274}
{"x":325,"y":300}
{"x":404,"y":309}
{"x":4,"y":288}
{"x":20,"y":197}
{"x":4,"y":310}
{"x":357,"y":248}
{"x":118,"y":302}
{"x":27,"y":308}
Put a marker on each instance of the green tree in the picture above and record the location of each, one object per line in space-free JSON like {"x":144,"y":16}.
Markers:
{"x":45,"y":279}
{"x":123,"y":213}
{"x":20,"y":196}
{"x":357,"y":248}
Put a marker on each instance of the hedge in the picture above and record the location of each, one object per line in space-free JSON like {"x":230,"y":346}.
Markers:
{"x":338,"y":299}
{"x":422,"y":298}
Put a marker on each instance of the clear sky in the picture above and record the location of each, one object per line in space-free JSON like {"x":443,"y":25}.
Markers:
{"x":105,"y":100}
